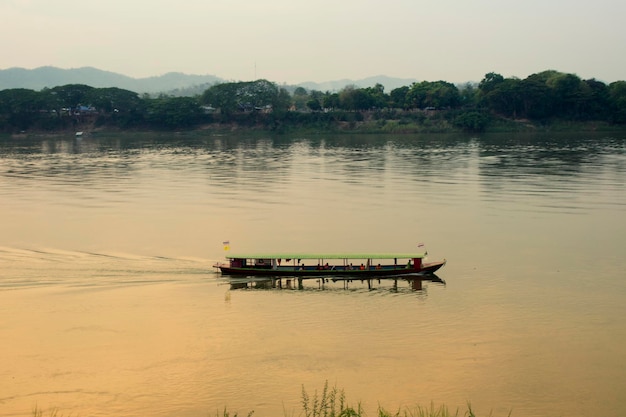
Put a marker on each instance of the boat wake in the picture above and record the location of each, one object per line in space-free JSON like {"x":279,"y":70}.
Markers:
{"x":36,"y":267}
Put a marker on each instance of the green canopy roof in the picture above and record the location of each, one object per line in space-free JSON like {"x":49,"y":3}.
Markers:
{"x":325,"y":255}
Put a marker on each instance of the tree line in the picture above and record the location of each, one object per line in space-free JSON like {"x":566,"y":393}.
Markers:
{"x":541,"y":98}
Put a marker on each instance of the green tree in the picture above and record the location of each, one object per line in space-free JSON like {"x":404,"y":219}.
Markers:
{"x":397,"y":97}
{"x":72,"y":95}
{"x":246,"y":96}
{"x":315,"y":100}
{"x":595,"y":100}
{"x":20,"y":100}
{"x":314,"y":105}
{"x":469,"y":95}
{"x":353,"y":98}
{"x":617,"y":100}
{"x":568,"y":94}
{"x":537,"y":97}
{"x":377,"y":96}
{"x":114,"y":99}
{"x":222,"y":96}
{"x":331,"y":101}
{"x":20,"y":107}
{"x":300,"y":98}
{"x":437,"y":94}
{"x":472,"y":121}
{"x":173,"y":112}
{"x":505,"y":98}
{"x":281,"y":101}
{"x":490,"y":82}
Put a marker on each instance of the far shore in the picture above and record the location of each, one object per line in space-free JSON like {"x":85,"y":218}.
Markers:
{"x":359,"y":128}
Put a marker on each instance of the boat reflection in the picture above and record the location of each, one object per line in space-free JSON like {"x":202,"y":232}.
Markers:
{"x":413,"y":283}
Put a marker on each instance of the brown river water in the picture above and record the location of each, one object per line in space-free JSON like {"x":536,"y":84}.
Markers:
{"x":110,"y":305}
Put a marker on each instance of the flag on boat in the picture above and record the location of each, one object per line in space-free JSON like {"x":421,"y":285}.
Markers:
{"x":226,"y":245}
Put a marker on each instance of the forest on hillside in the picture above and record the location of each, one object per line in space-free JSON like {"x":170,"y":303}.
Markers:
{"x":541,"y":98}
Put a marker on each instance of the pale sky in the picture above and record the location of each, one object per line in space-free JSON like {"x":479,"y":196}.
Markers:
{"x":293,"y":41}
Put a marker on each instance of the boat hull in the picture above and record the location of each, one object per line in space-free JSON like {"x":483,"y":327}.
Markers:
{"x":426,"y":269}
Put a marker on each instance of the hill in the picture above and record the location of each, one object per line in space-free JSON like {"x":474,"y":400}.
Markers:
{"x":173,"y":83}
{"x":42,"y":77}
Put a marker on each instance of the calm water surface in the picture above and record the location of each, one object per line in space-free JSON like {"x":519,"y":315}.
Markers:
{"x":109,"y":305}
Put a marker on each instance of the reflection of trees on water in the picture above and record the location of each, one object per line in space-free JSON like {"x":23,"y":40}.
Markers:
{"x":275,"y":164}
{"x":67,"y":161}
{"x":353,"y":159}
{"x":548,"y":165}
{"x":541,"y":154}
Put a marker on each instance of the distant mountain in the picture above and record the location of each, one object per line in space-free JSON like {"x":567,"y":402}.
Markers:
{"x":389,"y":83}
{"x":173,"y":83}
{"x":42,"y":77}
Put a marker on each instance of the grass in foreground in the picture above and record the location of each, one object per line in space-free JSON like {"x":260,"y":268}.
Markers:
{"x":332,"y":403}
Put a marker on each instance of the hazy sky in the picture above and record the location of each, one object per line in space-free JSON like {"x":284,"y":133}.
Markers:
{"x":292,"y":41}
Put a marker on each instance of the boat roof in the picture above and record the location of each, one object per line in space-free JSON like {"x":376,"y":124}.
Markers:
{"x":325,"y":255}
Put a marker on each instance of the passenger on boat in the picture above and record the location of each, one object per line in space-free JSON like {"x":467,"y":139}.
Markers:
{"x":378,"y":266}
{"x":349,"y":267}
{"x":362,"y":267}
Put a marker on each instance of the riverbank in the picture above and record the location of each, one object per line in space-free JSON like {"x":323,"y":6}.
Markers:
{"x":435,"y":124}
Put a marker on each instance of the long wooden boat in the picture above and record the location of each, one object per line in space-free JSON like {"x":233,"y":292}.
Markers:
{"x":315,"y":265}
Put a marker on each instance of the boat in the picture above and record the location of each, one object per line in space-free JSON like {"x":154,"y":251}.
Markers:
{"x":333,"y":265}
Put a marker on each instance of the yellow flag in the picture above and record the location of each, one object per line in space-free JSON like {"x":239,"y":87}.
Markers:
{"x":226,"y":245}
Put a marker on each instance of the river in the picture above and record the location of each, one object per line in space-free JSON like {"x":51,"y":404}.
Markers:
{"x":110,"y":305}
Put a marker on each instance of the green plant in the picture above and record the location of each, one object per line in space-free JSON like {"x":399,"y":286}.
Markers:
{"x":332,"y":403}
{"x":39,"y":413}
{"x":226,"y":413}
